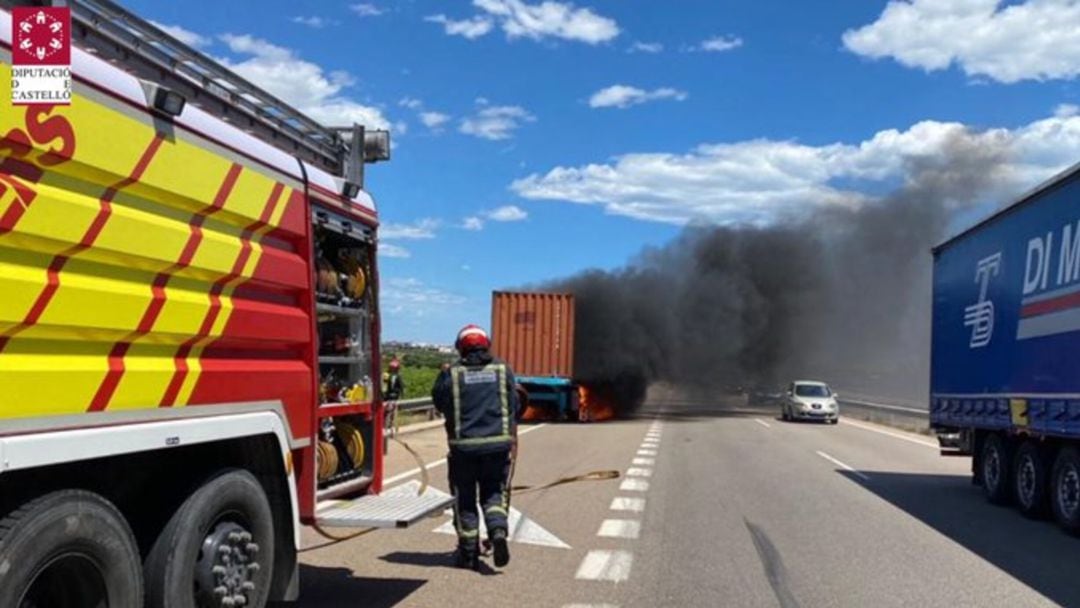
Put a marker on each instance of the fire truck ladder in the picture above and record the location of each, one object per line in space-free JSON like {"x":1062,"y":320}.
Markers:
{"x":116,"y":35}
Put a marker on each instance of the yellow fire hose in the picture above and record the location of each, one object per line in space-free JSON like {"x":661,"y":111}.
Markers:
{"x":425,"y":480}
{"x":593,"y":476}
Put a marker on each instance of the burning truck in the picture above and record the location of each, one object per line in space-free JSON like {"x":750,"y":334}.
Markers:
{"x":534,"y":333}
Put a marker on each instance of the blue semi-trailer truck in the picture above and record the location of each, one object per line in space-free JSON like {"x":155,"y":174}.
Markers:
{"x":1005,"y":353}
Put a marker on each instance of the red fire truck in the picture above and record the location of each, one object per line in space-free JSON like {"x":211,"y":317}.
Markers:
{"x":189,"y":330}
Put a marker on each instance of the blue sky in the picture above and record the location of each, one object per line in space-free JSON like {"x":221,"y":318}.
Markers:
{"x":534,"y":140}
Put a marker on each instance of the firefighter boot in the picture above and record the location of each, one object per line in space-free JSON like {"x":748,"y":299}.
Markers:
{"x":467,"y":556}
{"x":502,"y":550}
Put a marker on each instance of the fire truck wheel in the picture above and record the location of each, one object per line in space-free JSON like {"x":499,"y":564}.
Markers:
{"x":1065,"y":490}
{"x":217,"y":549}
{"x":71,"y":549}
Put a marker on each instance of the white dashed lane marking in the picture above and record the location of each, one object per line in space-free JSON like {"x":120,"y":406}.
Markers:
{"x":763,"y":423}
{"x":645,"y":461}
{"x":611,"y":566}
{"x":634,"y":485}
{"x":645,"y":452}
{"x":620,"y":528}
{"x":622,"y":503}
{"x":638,"y":472}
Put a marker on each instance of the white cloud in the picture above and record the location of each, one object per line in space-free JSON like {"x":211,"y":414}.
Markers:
{"x":420,"y":229}
{"x":719,"y":44}
{"x":646,"y":47}
{"x":1010,"y":42}
{"x":411,"y":102}
{"x":393,"y":251}
{"x":550,"y":19}
{"x":756,"y":181}
{"x":519,"y":19}
{"x":496,"y":122}
{"x":508,"y":213}
{"x":412,"y":295}
{"x":301,"y":83}
{"x":1066,"y":110}
{"x":471,"y":28}
{"x":314,"y":21}
{"x":366,"y":9}
{"x":623,"y":96}
{"x":188,"y":37}
{"x":434,"y":120}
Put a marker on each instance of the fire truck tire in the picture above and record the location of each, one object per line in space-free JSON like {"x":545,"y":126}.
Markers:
{"x":216,"y":550}
{"x":70,"y":548}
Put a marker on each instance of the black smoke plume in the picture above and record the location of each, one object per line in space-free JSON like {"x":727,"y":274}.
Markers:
{"x":842,"y":294}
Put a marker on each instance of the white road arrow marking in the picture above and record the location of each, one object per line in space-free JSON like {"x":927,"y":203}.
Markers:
{"x":522,"y":530}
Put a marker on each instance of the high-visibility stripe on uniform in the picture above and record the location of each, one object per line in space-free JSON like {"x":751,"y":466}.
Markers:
{"x":503,"y":401}
{"x":457,"y":400}
{"x":481,"y":440}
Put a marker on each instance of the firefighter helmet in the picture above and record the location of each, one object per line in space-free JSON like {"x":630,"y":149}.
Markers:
{"x":472,"y":337}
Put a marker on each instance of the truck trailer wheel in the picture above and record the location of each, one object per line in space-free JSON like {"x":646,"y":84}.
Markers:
{"x":1065,"y":490}
{"x":1030,"y":473}
{"x":68,"y":549}
{"x":996,"y":469}
{"x":217,"y":549}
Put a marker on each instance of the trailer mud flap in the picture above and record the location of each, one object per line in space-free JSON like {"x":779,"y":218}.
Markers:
{"x":398,"y":507}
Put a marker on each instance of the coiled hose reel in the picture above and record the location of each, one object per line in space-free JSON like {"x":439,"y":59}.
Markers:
{"x":327,"y":458}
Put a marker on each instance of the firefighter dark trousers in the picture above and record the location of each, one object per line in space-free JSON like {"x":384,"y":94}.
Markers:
{"x":483,"y":479}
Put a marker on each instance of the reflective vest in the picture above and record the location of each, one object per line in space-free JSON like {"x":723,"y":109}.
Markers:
{"x":482,"y":414}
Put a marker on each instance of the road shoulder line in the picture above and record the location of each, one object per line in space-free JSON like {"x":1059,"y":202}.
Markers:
{"x":894,"y":435}
{"x":844,"y":466}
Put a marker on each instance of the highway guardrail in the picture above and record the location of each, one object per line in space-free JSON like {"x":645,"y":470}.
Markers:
{"x":875,"y":410}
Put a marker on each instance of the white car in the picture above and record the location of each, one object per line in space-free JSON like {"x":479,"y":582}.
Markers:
{"x":810,"y":400}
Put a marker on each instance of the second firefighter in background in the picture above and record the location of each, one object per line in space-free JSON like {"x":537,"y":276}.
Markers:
{"x":476,"y":396}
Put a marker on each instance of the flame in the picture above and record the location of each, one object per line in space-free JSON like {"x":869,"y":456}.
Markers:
{"x":537,"y":414}
{"x":532,"y":413}
{"x":595,"y":404}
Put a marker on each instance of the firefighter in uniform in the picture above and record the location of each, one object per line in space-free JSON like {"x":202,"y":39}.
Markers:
{"x":393,"y":386}
{"x":476,"y":396}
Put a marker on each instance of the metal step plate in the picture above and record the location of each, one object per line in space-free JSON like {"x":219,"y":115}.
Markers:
{"x":398,"y":507}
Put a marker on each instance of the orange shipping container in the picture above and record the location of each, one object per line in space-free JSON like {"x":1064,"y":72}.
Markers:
{"x":534,"y":332}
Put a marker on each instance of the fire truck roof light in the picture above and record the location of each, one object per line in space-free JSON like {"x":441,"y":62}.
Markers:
{"x":169,"y":102}
{"x":163,"y":99}
{"x":350,"y":190}
{"x":376,"y":146}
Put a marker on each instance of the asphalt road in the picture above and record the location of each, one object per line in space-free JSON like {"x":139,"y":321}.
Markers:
{"x":736,"y":509}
